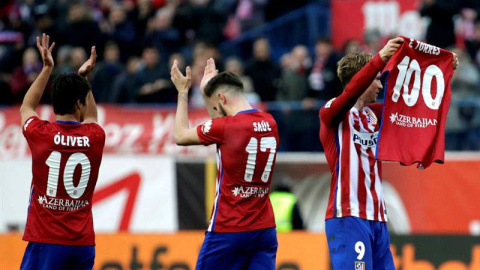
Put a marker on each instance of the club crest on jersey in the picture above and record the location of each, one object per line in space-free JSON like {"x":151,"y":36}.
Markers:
{"x":206,"y":127}
{"x":371,"y":118}
{"x":359,"y":265}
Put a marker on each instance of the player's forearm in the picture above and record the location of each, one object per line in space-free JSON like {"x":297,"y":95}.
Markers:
{"x":91,"y":114}
{"x":35,"y":92}
{"x":181,"y":118}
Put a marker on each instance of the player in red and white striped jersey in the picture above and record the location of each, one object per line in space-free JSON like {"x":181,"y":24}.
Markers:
{"x":356,"y":215}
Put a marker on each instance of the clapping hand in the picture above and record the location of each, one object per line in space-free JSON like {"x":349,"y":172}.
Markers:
{"x":210,"y":72}
{"x":88,"y":66}
{"x":182,"y":83}
{"x":45,"y":50}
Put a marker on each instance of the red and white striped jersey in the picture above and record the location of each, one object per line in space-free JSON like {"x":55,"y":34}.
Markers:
{"x":349,"y":137}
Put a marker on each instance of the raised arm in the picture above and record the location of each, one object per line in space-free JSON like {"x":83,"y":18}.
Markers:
{"x":335,"y":110}
{"x":91,"y":115}
{"x":210,"y":72}
{"x":182,"y":133}
{"x":35,"y":92}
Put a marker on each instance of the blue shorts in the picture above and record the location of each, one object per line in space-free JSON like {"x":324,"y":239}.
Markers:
{"x":40,"y":256}
{"x":253,"y":250}
{"x":358,"y":244}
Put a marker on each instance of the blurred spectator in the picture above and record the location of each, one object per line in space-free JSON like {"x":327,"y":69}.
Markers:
{"x":299,"y":127}
{"x":473,"y":44}
{"x":373,"y":41}
{"x":62,"y":63}
{"x":140,"y":15}
{"x":351,"y":46}
{"x":235,"y":65}
{"x":250,"y":13}
{"x":153,"y":78}
{"x":441,"y":31}
{"x":295,"y":76}
{"x":264,"y":72}
{"x":125,"y":86}
{"x":286,"y":209}
{"x":105,"y":73}
{"x":200,"y":20}
{"x":324,"y":80}
{"x":59,"y":12}
{"x":24,"y":75}
{"x":120,"y":30}
{"x":461,"y":121}
{"x":77,"y":58}
{"x":81,"y":31}
{"x":160,"y":33}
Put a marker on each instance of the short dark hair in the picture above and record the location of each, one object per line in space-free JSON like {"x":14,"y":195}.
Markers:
{"x":225,"y":78}
{"x":67,"y":90}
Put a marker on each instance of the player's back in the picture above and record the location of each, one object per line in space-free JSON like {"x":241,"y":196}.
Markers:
{"x":247,"y":144}
{"x":66,"y":158}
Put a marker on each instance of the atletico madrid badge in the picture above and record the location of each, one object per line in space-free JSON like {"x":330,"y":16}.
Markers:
{"x":359,"y":265}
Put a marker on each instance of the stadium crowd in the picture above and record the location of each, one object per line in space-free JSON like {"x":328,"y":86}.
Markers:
{"x":137,"y":41}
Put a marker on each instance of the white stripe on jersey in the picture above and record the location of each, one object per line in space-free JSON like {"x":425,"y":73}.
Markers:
{"x":354,"y":204}
{"x":217,"y":195}
{"x":378,"y":189}
{"x":368,"y":182}
{"x":359,"y":161}
{"x":339,"y":176}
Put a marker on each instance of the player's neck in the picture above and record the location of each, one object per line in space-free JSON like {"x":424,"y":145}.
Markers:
{"x":360,"y":104}
{"x":242,"y":105}
{"x":68,"y":117}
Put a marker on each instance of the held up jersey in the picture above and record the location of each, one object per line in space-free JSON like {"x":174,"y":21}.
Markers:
{"x":66,"y":157}
{"x":246,"y":150}
{"x":349,"y":137}
{"x":417,"y":99}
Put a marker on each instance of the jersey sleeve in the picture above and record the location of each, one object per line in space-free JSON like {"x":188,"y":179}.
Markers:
{"x":334,"y":111}
{"x":212,"y":131}
{"x":98,"y":130}
{"x":32,"y":124}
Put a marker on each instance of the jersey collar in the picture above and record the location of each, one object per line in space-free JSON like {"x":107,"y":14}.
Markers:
{"x":68,"y":122}
{"x":248,"y":111}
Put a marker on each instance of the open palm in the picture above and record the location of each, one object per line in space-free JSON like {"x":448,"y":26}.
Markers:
{"x":210,"y":72}
{"x":182,"y":83}
{"x":89,"y":64}
{"x":45,"y":50}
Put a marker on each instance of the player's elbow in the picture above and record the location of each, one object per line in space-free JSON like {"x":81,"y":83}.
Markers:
{"x":180,"y":140}
{"x":25,"y":108}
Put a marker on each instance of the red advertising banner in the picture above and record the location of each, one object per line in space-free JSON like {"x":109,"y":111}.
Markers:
{"x":440,"y":199}
{"x":129,"y":130}
{"x":351,"y":18}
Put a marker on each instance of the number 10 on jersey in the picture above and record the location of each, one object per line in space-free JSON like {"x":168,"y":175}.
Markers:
{"x":252,"y":148}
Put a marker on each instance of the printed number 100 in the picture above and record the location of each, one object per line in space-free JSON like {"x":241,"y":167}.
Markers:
{"x":406,"y":70}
